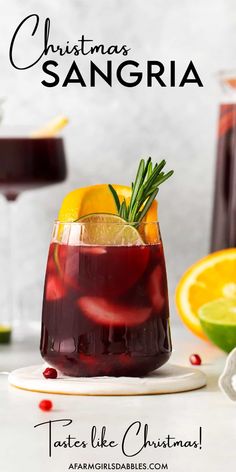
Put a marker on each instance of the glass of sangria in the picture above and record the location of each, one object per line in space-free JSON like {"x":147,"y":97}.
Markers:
{"x":29,"y":163}
{"x":26,"y":162}
{"x":105,"y":306}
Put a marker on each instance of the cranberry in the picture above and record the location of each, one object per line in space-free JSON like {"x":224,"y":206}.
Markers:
{"x":45,"y":405}
{"x":195,"y":359}
{"x":50,"y":373}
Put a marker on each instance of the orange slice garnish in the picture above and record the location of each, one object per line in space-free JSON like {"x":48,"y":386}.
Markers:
{"x":99,"y":199}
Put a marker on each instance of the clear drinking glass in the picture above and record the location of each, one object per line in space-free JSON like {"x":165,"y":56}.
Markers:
{"x":105,"y":307}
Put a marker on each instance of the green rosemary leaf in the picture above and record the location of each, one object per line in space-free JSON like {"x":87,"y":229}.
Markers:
{"x":115,"y":196}
{"x":123,"y":210}
{"x":149,"y":171}
{"x":147,"y":166}
{"x":152,"y":180}
{"x":147,"y":205}
{"x":156,"y":171}
{"x":165,"y":177}
{"x":138,"y":182}
{"x":127,"y":211}
{"x":161,"y":165}
{"x":144,"y":190}
{"x":133,"y":212}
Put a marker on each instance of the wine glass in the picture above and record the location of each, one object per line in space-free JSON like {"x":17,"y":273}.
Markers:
{"x":25,"y":163}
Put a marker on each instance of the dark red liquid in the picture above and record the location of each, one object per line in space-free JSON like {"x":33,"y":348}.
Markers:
{"x":105,"y":310}
{"x":224,"y":214}
{"x":27,"y":163}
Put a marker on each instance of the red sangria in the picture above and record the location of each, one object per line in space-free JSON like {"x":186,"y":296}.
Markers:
{"x":105,"y":308}
{"x":26,"y":162}
{"x":224,"y":216}
{"x":29,"y":163}
{"x":224,"y":213}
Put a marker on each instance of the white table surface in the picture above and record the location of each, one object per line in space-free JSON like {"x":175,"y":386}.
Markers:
{"x":24,"y":448}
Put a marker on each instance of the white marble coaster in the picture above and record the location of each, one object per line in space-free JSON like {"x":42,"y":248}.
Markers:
{"x":168,"y":379}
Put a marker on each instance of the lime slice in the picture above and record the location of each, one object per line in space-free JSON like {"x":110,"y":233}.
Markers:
{"x":218,"y":321}
{"x":108,"y":230}
{"x":5,"y":334}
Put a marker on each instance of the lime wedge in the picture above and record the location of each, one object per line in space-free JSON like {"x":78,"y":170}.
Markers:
{"x":5,"y":334}
{"x":108,"y":230}
{"x":218,"y":321}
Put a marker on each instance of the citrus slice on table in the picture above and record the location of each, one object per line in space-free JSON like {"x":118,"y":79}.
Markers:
{"x":218,"y":320}
{"x":211,"y":278}
{"x":99,"y":199}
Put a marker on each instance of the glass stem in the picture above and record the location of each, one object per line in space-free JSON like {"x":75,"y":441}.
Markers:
{"x":9,"y":261}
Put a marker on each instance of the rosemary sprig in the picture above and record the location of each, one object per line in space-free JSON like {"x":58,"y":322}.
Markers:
{"x":144,"y":190}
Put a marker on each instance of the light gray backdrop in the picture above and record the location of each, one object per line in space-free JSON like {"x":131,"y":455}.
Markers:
{"x":110,"y":128}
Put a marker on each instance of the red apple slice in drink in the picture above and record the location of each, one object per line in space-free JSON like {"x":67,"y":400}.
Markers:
{"x":115,"y":272}
{"x":66,"y":259}
{"x":94,"y":261}
{"x":51,"y":266}
{"x":103,"y":312}
{"x":155,"y":289}
{"x":54,"y":289}
{"x":94,"y":251}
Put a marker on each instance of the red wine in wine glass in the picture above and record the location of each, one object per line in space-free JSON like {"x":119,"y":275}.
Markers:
{"x":29,"y":163}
